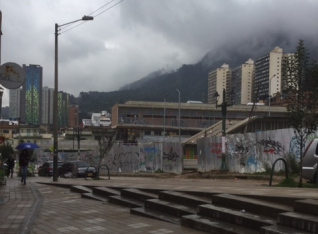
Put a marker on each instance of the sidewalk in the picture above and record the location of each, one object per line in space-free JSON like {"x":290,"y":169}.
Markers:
{"x":40,"y":208}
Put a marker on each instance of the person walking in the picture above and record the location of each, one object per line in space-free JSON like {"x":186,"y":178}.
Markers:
{"x":23,"y":163}
{"x":10,"y":164}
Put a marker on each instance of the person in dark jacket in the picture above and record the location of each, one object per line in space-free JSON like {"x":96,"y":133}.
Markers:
{"x":10,"y":164}
{"x":23,"y":163}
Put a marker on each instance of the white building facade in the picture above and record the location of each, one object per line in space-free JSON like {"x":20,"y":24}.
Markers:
{"x":218,"y":80}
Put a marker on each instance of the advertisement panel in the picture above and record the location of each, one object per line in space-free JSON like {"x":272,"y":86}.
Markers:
{"x":12,"y":75}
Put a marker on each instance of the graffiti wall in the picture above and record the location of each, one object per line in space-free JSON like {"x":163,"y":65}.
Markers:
{"x":247,"y":153}
{"x":141,"y":157}
{"x":145,"y":157}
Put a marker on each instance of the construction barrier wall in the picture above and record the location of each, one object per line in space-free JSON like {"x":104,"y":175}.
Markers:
{"x":248,"y":153}
{"x":141,"y":157}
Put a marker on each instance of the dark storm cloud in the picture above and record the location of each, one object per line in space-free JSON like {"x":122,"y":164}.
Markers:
{"x":137,"y":37}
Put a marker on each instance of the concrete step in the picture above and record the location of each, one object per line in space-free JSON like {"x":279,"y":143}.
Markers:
{"x":289,"y":201}
{"x":183,"y":198}
{"x":299,"y":221}
{"x":278,"y":229}
{"x":244,"y":219}
{"x":307,"y":206}
{"x":213,"y":225}
{"x":250,"y":205}
{"x":93,"y":197}
{"x":124,"y":201}
{"x":105,"y":192}
{"x":169,"y":207}
{"x":80,"y":189}
{"x":137,"y":194}
{"x":149,"y":213}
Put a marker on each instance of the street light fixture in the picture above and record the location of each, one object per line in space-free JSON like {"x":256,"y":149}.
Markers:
{"x":179,"y":117}
{"x":78,"y":137}
{"x":75,"y":125}
{"x":224,"y":106}
{"x":1,"y":94}
{"x":55,"y":97}
{"x":269,"y":95}
{"x":164,"y":118}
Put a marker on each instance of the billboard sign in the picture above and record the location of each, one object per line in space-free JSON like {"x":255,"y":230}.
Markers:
{"x":12,"y":75}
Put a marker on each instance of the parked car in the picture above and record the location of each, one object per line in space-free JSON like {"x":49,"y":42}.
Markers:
{"x":310,"y":161}
{"x":47,"y":168}
{"x":82,"y":168}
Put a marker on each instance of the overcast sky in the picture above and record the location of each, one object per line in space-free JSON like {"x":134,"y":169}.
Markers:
{"x":136,"y":37}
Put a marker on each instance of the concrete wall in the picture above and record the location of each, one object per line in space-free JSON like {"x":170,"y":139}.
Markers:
{"x":247,"y":153}
{"x":143,"y":157}
{"x":244,"y":153}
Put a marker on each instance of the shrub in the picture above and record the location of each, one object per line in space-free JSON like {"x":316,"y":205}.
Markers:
{"x":267,"y":167}
{"x":291,"y":183}
{"x":292,"y":164}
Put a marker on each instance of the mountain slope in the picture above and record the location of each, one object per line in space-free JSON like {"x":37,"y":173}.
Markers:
{"x":191,"y":80}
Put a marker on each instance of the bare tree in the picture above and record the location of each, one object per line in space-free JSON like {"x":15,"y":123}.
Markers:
{"x":106,"y":141}
{"x":300,"y":80}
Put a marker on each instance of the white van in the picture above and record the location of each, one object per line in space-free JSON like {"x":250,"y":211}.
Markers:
{"x":310,"y":161}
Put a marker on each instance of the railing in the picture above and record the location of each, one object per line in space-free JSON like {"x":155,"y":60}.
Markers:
{"x":17,"y":135}
{"x":273,"y":167}
{"x":172,"y":122}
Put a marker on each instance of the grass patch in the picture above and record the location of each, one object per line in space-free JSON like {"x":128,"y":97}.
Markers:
{"x":291,"y":183}
{"x":275,"y":173}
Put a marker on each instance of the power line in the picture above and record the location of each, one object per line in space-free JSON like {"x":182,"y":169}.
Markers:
{"x":66,"y":26}
{"x":95,"y":15}
{"x":101,"y":7}
{"x":108,"y":8}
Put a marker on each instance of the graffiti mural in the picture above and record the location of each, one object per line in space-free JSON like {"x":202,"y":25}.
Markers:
{"x":172,"y":157}
{"x":247,"y":153}
{"x":272,"y":147}
{"x":294,"y":147}
{"x":244,"y":153}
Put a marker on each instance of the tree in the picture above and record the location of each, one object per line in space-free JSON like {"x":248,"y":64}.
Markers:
{"x":300,"y":80}
{"x":6,"y":150}
{"x":106,"y":141}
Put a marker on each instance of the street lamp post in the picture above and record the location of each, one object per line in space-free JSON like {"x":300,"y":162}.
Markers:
{"x":1,"y":94}
{"x":224,"y":106}
{"x":179,"y":117}
{"x":164,"y":118}
{"x":269,"y":95}
{"x":55,"y":96}
{"x":75,"y":125}
{"x":78,"y":137}
{"x":180,"y":146}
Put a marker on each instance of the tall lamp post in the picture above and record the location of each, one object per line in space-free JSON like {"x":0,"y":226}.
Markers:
{"x":55,"y":96}
{"x":180,"y":146}
{"x":1,"y":94}
{"x":269,"y":95}
{"x":179,"y":116}
{"x":224,"y":106}
{"x":78,"y":137}
{"x":164,"y":118}
{"x":74,"y":127}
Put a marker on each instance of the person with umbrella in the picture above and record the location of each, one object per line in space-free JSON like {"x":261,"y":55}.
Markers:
{"x":24,"y":158}
{"x":23,"y":163}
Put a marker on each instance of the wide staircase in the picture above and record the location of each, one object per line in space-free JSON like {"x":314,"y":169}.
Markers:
{"x":214,"y":213}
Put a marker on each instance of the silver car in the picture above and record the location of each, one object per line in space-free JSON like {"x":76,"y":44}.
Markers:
{"x":310,"y":161}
